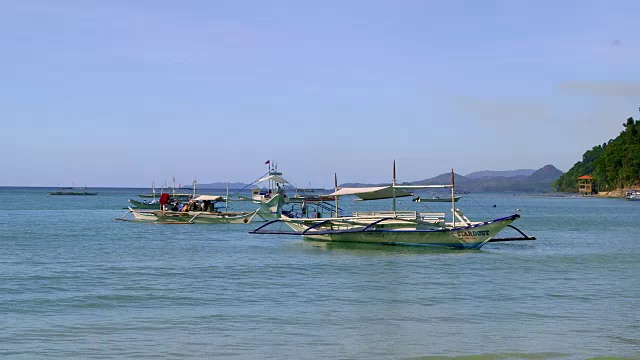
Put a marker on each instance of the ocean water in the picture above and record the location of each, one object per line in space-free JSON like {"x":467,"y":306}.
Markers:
{"x":75,"y":283}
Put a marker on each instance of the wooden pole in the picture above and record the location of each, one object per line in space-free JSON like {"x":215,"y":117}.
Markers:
{"x":335,"y":189}
{"x":453,"y":200}
{"x":393,"y":187}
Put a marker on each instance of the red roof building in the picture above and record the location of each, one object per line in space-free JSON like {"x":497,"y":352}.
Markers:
{"x":585,"y":185}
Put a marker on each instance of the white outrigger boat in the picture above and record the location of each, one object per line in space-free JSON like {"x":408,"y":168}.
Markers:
{"x":396,"y":227}
{"x":200,"y":210}
{"x":276,"y":185}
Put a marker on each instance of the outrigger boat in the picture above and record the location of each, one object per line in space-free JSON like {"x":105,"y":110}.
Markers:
{"x":73,"y":191}
{"x":174,"y":195}
{"x":200,"y":210}
{"x":277,"y":185}
{"x":153,"y":204}
{"x":396,"y":227}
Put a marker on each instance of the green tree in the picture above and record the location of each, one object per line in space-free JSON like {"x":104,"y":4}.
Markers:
{"x":614,"y":164}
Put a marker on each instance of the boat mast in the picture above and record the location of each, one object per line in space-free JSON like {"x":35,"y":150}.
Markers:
{"x":226,"y":202}
{"x":269,"y":170}
{"x":335,"y":189}
{"x":194,"y":188}
{"x":393,"y":187}
{"x":453,"y":200}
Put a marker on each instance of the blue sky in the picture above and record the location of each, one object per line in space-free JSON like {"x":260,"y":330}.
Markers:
{"x":123,"y":93}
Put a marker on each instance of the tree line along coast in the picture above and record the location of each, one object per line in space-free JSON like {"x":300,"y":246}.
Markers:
{"x":614,"y":166}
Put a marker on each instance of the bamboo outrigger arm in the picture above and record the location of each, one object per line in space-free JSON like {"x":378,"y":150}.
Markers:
{"x":524,"y":236}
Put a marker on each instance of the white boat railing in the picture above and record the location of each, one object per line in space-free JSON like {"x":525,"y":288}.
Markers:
{"x":410,"y":215}
{"x":434,"y":217}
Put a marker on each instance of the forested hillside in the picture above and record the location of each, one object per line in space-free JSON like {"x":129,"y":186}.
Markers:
{"x":613,"y":165}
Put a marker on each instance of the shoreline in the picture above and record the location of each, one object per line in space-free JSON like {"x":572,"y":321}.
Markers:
{"x":613,"y":193}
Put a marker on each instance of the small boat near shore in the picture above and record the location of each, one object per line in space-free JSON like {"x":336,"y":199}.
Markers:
{"x":633,"y":195}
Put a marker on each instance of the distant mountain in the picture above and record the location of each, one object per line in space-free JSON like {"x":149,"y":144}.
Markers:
{"x":362,"y":185}
{"x":546,"y":173}
{"x":540,"y":180}
{"x":522,"y":180}
{"x":223,"y":185}
{"x":506,"y":173}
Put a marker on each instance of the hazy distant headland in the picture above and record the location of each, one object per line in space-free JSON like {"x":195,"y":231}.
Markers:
{"x":522,"y":180}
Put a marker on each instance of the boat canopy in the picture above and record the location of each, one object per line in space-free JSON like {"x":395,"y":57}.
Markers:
{"x":372,"y":193}
{"x":275,"y":178}
{"x":209,"y":197}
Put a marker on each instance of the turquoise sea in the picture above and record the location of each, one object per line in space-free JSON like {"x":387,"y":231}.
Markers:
{"x":75,"y":283}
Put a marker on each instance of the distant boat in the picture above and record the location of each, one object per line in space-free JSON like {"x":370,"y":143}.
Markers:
{"x":633,"y":195}
{"x":153,"y":204}
{"x":174,"y":195}
{"x":73,"y":191}
{"x":309,"y":189}
{"x":436,"y":199}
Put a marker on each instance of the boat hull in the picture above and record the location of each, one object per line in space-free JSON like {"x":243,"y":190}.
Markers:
{"x":271,"y":208}
{"x":194,"y":217}
{"x":144,"y":205}
{"x":462,"y":237}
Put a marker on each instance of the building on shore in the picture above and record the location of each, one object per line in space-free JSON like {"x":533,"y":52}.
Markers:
{"x":586,"y":186}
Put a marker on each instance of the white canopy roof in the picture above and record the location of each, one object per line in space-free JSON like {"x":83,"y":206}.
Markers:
{"x":275,"y":178}
{"x":209,"y":197}
{"x":372,"y":193}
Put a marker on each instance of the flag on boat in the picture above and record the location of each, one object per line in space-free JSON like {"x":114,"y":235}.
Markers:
{"x":267,"y":162}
